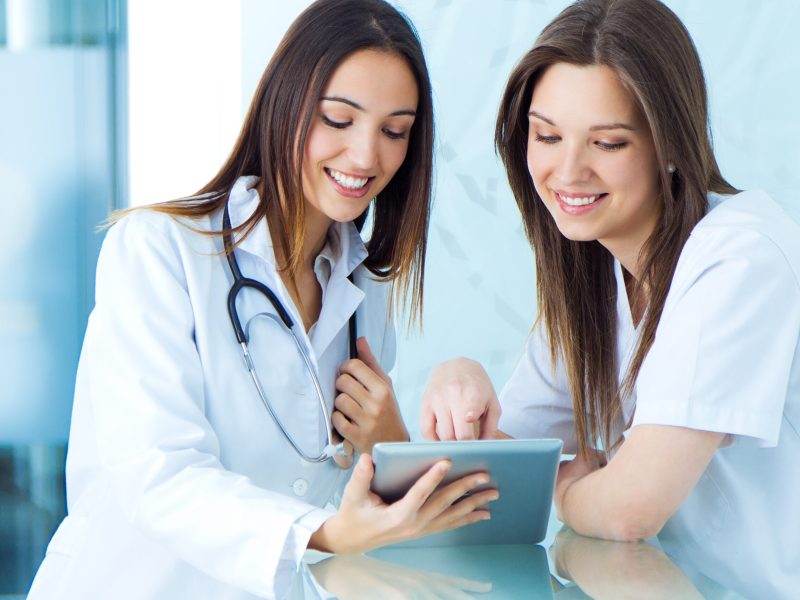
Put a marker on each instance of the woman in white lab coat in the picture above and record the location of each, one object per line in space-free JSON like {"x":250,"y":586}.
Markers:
{"x":180,"y":484}
{"x":666,"y":353}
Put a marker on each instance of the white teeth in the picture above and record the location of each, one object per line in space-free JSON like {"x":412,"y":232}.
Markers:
{"x":578,"y":200}
{"x":352,"y":183}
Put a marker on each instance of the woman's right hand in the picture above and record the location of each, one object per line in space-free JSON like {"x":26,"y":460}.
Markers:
{"x":459,"y":403}
{"x":364,"y":521}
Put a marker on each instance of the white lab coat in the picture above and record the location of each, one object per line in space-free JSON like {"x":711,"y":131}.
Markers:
{"x":179,"y":483}
{"x":726,"y":358}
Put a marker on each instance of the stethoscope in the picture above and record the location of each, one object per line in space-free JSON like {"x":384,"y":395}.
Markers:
{"x":341,"y":452}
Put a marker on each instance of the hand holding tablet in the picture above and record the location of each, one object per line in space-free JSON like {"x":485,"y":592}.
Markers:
{"x":523,"y":471}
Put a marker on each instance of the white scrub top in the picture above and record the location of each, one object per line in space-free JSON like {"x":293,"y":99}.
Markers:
{"x":726,"y":358}
{"x":179,"y":483}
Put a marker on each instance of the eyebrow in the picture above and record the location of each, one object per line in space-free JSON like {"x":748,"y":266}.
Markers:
{"x":357,"y":106}
{"x":601,"y":127}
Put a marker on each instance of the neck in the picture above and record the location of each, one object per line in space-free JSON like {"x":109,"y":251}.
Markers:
{"x":627,"y":257}
{"x":315,"y":235}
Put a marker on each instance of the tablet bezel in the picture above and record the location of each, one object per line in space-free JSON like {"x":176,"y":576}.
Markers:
{"x":523,"y":471}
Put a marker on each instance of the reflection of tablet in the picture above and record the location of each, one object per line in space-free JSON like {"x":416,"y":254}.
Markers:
{"x":523,"y":471}
{"x":514,"y":571}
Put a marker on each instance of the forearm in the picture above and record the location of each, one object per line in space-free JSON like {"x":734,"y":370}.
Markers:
{"x":597,"y":506}
{"x":648,"y":479}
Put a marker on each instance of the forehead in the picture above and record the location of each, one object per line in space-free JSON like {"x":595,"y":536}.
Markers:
{"x":374,"y":78}
{"x":584,"y":95}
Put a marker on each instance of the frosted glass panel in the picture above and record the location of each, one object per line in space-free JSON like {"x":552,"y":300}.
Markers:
{"x":55,"y":168}
{"x":479,"y":299}
{"x":58,"y":179}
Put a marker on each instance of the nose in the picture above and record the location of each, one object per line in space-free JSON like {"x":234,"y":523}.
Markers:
{"x":363,"y":150}
{"x":573,"y":166}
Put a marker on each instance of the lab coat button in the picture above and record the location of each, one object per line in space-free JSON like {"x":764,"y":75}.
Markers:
{"x":300,"y":487}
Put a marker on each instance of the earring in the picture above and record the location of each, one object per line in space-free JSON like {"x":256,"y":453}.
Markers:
{"x":670,"y":168}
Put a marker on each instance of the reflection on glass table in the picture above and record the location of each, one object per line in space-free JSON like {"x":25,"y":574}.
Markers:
{"x":603,"y":569}
{"x":486,"y":572}
{"x":579,"y":567}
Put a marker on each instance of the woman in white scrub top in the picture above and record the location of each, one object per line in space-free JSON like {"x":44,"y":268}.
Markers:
{"x":180,"y":484}
{"x":666,"y":353}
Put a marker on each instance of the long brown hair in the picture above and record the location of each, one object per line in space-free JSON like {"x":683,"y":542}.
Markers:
{"x":272,"y":141}
{"x":650,"y":50}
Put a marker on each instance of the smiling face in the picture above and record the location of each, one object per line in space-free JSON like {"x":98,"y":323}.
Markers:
{"x":359,"y":134}
{"x":592,"y":160}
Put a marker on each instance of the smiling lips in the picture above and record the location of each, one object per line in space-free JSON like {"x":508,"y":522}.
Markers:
{"x":576,"y":204}
{"x":348,"y":185}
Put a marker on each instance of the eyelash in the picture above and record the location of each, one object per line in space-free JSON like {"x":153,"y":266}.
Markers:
{"x":335,"y":124}
{"x":392,"y":135}
{"x":395,"y":135}
{"x":612,"y":147}
{"x":552,"y":139}
{"x":546,"y":139}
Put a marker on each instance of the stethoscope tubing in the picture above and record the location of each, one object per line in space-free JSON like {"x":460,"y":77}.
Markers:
{"x":283,"y":318}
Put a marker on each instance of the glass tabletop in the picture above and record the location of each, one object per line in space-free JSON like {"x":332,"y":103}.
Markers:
{"x":564,"y":566}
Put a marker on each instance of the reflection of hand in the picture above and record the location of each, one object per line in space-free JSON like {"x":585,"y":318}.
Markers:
{"x":362,"y":577}
{"x":366,"y":408}
{"x":364,"y":521}
{"x":605,"y":569}
{"x":458,"y":399}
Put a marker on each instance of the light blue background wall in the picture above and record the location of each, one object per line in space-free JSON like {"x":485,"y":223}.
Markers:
{"x":479,"y":298}
{"x":56,"y":172}
{"x":57,"y":183}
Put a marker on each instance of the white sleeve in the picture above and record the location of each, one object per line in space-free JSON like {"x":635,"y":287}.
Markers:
{"x":536,"y":402}
{"x":723,"y":352}
{"x":153,"y":438}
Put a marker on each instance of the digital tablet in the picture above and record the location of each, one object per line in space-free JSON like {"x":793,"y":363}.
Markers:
{"x":523,"y":471}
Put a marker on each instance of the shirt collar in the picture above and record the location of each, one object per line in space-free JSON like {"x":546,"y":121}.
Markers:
{"x":344,"y":249}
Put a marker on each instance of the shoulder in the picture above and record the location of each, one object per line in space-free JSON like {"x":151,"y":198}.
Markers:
{"x":147,"y":233}
{"x":148,"y":246}
{"x":144,"y":227}
{"x":746,"y":232}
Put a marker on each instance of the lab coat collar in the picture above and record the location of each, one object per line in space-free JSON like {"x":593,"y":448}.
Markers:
{"x":346,"y":251}
{"x":243,"y":202}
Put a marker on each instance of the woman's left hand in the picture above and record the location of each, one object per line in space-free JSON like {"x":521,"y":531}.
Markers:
{"x":366,"y":410}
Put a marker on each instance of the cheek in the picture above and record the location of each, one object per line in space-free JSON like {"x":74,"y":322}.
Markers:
{"x":637,"y":174}
{"x":394,"y":153}
{"x":320,"y":146}
{"x":537,"y":165}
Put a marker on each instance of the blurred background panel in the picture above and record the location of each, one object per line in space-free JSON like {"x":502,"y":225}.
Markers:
{"x":60,"y":148}
{"x":107,"y":104}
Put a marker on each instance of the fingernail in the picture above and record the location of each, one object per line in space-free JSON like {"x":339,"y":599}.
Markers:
{"x":444,"y":466}
{"x":482,"y":480}
{"x":486,"y":517}
{"x":494,"y":497}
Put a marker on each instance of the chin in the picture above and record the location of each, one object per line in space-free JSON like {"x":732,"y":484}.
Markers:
{"x":344,"y":215}
{"x":576,"y":235}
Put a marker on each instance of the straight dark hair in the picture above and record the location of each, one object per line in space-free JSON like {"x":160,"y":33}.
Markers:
{"x":272,"y":142}
{"x":651,"y":52}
